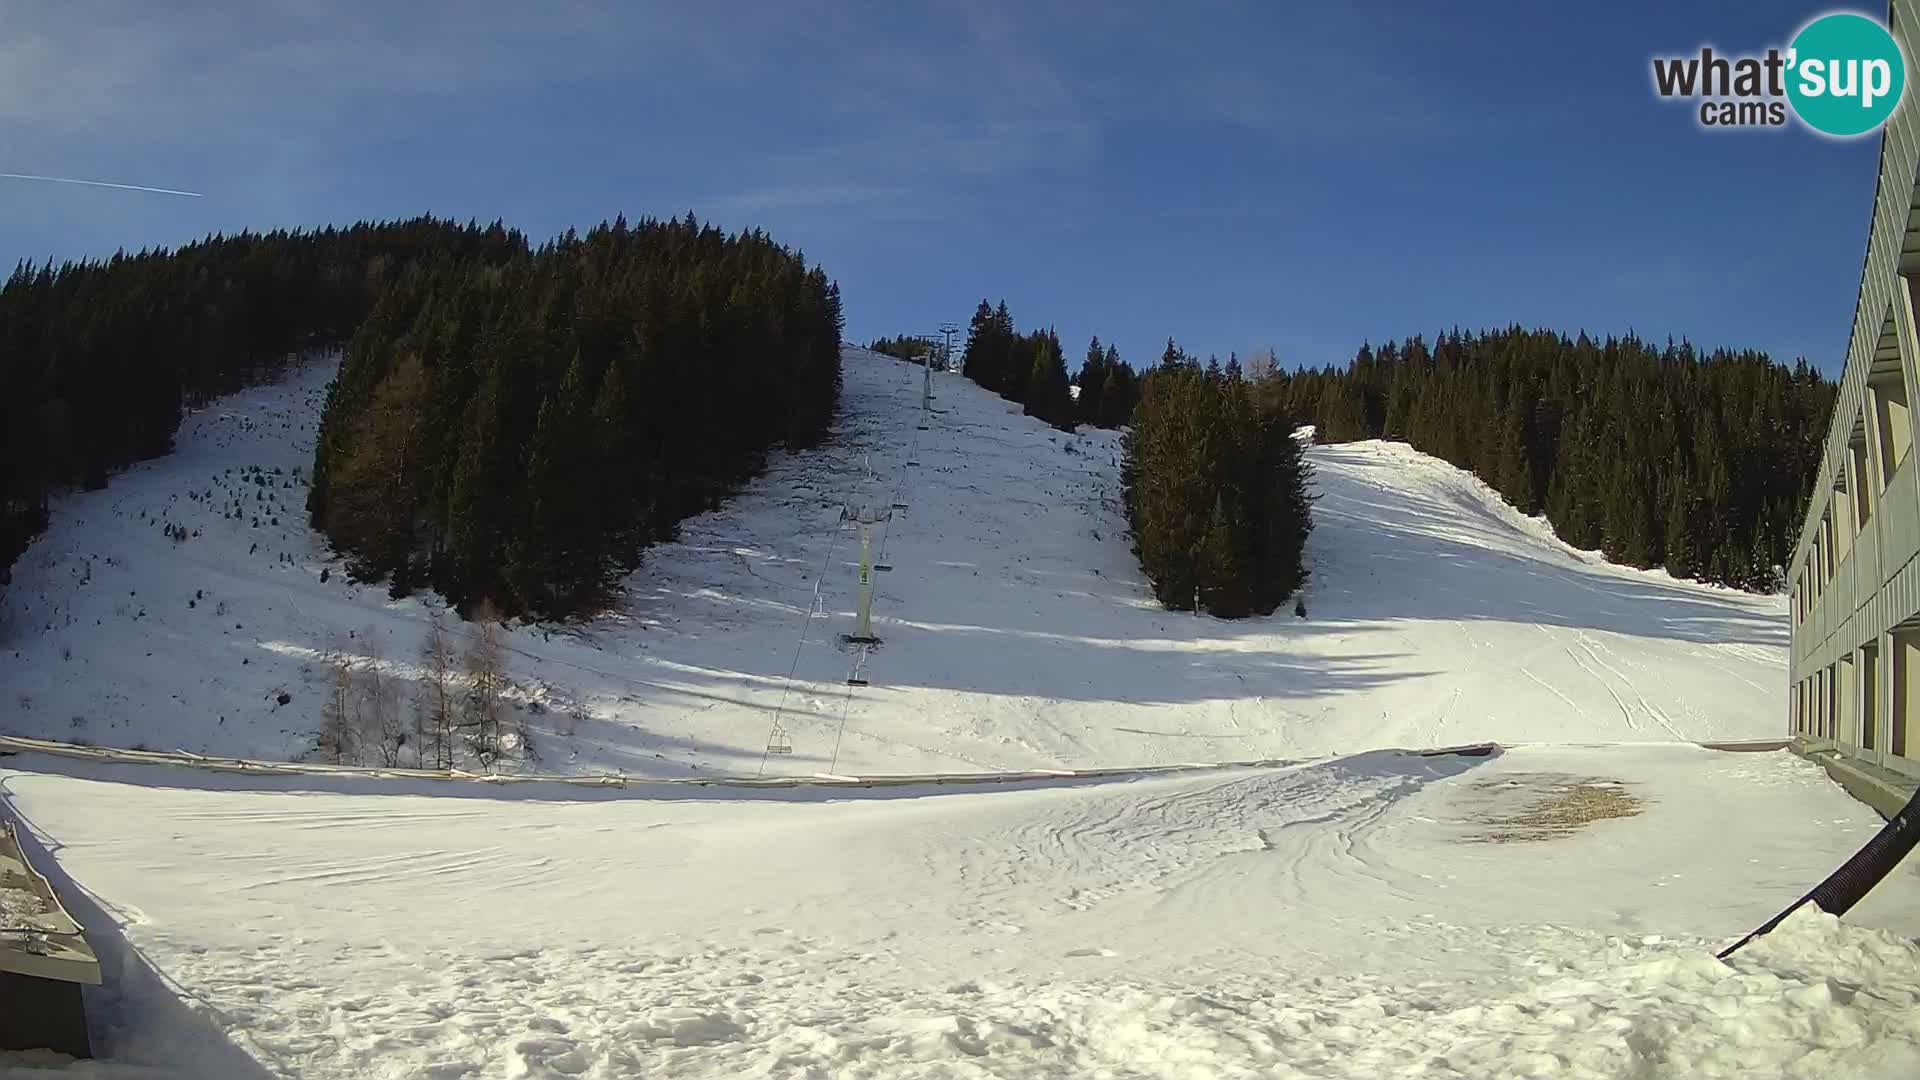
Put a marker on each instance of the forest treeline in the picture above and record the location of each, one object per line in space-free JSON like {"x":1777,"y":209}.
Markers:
{"x":1214,"y":484}
{"x":904,"y":347}
{"x":518,"y":433}
{"x":1215,"y":487}
{"x":1700,"y":462}
{"x":99,"y":357}
{"x":1031,"y":369}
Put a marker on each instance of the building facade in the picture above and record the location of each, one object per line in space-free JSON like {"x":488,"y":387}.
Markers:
{"x":1854,"y":579}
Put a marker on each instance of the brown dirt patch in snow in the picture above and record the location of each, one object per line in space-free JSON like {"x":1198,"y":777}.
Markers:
{"x":1545,"y":806}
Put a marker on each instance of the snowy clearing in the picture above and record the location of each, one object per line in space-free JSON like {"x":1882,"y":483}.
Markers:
{"x":1348,"y":917}
{"x":1016,"y":631}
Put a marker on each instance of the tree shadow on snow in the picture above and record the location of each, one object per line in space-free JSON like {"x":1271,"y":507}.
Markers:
{"x":1051,"y":633}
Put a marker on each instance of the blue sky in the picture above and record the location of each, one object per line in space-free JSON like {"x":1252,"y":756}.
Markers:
{"x":1231,"y":174}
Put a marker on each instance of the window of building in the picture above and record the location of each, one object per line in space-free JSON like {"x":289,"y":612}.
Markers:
{"x":1832,"y":558}
{"x":1843,"y":525}
{"x":1830,"y":703}
{"x":1859,"y":476}
{"x":1887,"y":386}
{"x":1869,"y":696}
{"x":1846,"y":704}
{"x":1903,"y":679}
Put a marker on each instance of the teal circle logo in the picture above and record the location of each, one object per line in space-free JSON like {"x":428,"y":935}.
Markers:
{"x":1845,"y":74}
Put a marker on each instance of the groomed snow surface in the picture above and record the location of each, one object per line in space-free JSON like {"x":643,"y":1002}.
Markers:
{"x":1378,"y":915}
{"x":1550,"y":910}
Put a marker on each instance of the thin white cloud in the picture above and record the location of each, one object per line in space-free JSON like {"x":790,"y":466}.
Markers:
{"x":100,"y":184}
{"x":877,"y":110}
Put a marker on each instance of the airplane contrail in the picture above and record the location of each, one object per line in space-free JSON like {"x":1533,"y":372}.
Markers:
{"x":100,"y":183}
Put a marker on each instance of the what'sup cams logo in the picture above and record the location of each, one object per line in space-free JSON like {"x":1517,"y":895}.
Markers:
{"x":1843,"y":75}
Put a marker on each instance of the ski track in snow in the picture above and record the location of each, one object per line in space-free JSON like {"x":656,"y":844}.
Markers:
{"x":1551,"y":689}
{"x":1326,"y":919}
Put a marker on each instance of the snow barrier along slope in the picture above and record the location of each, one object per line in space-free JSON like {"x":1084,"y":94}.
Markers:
{"x":45,"y":958}
{"x":247,"y":766}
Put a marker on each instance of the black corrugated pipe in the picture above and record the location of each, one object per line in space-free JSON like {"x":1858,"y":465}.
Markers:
{"x":1845,"y":886}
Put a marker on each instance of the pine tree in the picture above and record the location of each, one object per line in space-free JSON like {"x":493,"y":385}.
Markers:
{"x":1092,"y":380}
{"x":476,"y":498}
{"x":372,"y":512}
{"x":1215,"y":494}
{"x":1008,"y":364}
{"x":1515,"y":474}
{"x":1285,"y":514}
{"x":1047,"y":395}
{"x":977,"y":360}
{"x":1117,"y":394}
{"x":616,"y":454}
{"x":553,"y":563}
{"x":1172,"y":357}
{"x":1019,"y":360}
{"x":1225,"y":572}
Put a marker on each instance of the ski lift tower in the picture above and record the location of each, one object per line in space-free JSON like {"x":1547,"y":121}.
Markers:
{"x":947,"y":330}
{"x":926,"y":384}
{"x":866,"y":518}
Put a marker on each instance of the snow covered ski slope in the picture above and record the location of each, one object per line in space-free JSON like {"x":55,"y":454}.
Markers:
{"x":1016,"y":630}
{"x":1548,"y":911}
{"x":1358,"y":911}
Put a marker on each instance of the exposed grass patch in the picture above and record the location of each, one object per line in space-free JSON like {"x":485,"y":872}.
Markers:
{"x":1546,"y":806}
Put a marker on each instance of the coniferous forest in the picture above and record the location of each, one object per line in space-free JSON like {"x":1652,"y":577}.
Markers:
{"x":509,"y":424}
{"x":1215,"y":490}
{"x":98,"y":358}
{"x":518,"y":433}
{"x":1031,"y":369}
{"x":1697,"y":462}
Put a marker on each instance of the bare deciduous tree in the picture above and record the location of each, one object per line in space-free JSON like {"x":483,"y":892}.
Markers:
{"x":486,"y":664}
{"x":339,"y":740}
{"x":1261,"y":363}
{"x":381,"y":706}
{"x":434,"y":702}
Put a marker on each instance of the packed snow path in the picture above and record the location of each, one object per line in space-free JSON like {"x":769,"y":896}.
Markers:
{"x":1545,"y":912}
{"x":1016,"y":629}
